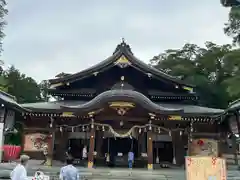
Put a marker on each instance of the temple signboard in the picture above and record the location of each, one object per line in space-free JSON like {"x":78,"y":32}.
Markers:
{"x":204,"y":147}
{"x":35,"y":141}
{"x":205,"y":168}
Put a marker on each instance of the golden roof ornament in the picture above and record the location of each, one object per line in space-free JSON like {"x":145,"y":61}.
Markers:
{"x":122,"y":62}
{"x":121,"y":107}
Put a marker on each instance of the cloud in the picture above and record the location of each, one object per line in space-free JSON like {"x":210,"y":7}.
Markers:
{"x":46,"y":37}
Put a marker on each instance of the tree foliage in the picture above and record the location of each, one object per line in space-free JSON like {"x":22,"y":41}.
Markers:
{"x":3,"y":81}
{"x":44,"y":85}
{"x":214,"y":69}
{"x":232,"y":27}
{"x":25,"y":89}
{"x":3,"y":13}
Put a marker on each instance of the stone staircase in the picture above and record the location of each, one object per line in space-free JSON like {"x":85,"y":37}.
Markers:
{"x":230,"y":159}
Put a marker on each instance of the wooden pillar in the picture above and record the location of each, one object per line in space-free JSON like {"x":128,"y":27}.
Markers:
{"x":91,"y":148}
{"x":150,"y":150}
{"x":50,"y":143}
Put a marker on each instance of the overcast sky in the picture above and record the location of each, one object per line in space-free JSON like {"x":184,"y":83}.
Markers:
{"x":47,"y":37}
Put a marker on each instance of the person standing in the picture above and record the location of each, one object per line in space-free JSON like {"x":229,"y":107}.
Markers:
{"x":45,"y":153}
{"x":20,"y":172}
{"x":130,"y":159}
{"x":84,"y":153}
{"x":68,"y":153}
{"x":69,"y":172}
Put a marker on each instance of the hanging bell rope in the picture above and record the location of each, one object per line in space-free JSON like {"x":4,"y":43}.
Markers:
{"x":108,"y":151}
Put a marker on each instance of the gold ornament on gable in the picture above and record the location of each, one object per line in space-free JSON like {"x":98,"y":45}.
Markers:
{"x":121,"y":107}
{"x":122,"y":62}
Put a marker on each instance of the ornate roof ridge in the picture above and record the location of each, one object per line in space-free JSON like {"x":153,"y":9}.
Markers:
{"x":235,"y":105}
{"x":234,"y":102}
{"x":8,"y":95}
{"x":123,"y":95}
{"x":123,"y":49}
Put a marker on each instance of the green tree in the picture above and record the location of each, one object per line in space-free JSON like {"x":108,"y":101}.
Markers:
{"x":213,"y":69}
{"x":3,"y":83}
{"x":44,"y":85}
{"x":232,"y":27}
{"x":3,"y":13}
{"x":3,"y":80}
{"x":25,"y":89}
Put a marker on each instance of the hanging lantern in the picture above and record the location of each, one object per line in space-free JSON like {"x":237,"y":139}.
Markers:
{"x":180,"y":133}
{"x":140,"y":130}
{"x":83,"y":128}
{"x":60,"y":129}
{"x":170,"y":133}
{"x":159,"y":130}
{"x":191,"y":129}
{"x":87,"y":128}
{"x":121,"y":123}
{"x":51,"y":122}
{"x":103,"y":129}
{"x":150,"y":128}
{"x":92,"y":126}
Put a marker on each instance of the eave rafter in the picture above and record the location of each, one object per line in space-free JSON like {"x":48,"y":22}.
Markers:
{"x":122,"y":101}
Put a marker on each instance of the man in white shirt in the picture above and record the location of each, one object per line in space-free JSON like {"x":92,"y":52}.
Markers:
{"x":69,"y":172}
{"x":19,"y":172}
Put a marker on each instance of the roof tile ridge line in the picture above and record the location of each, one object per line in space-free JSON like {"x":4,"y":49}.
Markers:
{"x":9,"y":95}
{"x":152,"y":67}
{"x":136,"y":92}
{"x":110,"y":58}
{"x":234,"y":102}
{"x":156,"y":69}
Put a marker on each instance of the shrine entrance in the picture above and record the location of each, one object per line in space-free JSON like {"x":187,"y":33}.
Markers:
{"x":76,"y":147}
{"x":162,"y":152}
{"x":117,"y":149}
{"x":76,"y":143}
{"x":163,"y":149}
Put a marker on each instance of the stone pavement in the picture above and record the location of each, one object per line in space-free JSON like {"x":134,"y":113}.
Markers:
{"x":111,"y":173}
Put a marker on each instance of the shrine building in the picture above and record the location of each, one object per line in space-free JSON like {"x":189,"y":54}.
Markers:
{"x":122,"y":105}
